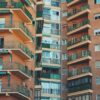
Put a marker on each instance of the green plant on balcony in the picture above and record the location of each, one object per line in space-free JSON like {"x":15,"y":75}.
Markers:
{"x":26,"y":50}
{"x":78,"y":40}
{"x":83,"y":53}
{"x":76,"y":10}
{"x":78,"y":25}
{"x":23,"y":90}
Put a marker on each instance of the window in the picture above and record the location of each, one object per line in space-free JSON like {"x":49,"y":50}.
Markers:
{"x":97,"y":47}
{"x":2,"y":22}
{"x":1,"y":63}
{"x":64,"y":56}
{"x":97,"y":64}
{"x":97,"y":16}
{"x":97,"y":1}
{"x":97,"y":32}
{"x":98,"y":81}
{"x":1,"y":42}
{"x":64,"y":42}
{"x":97,"y":97}
{"x":0,"y":85}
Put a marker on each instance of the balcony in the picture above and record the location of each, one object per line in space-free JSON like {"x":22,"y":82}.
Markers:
{"x":74,"y":43}
{"x":78,"y":73}
{"x":20,"y":49}
{"x":39,"y":2}
{"x":39,"y":12}
{"x":80,"y":88}
{"x":79,"y":85}
{"x":55,"y":3}
{"x":51,"y":76}
{"x":17,"y":69}
{"x":27,"y":2}
{"x":78,"y":12}
{"x":52,"y":47}
{"x":48,"y":18}
{"x":39,"y":27}
{"x":17,"y":28}
{"x":79,"y":57}
{"x":51,"y":62}
{"x":15,"y":90}
{"x":51,"y":92}
{"x":38,"y":66}
{"x":72,"y":2}
{"x":19,"y":9}
{"x":37,"y":79}
{"x":85,"y":24}
{"x":89,"y":91}
{"x":51,"y":32}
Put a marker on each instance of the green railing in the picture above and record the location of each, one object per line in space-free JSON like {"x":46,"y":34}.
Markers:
{"x":28,"y":13}
{"x":39,"y":14}
{"x":27,"y":2}
{"x":83,"y":53}
{"x":78,"y":25}
{"x":69,"y":1}
{"x":39,"y":26}
{"x":50,"y":76}
{"x":16,"y":45}
{"x":50,"y":60}
{"x":80,"y":88}
{"x":75,"y":72}
{"x":75,"y":10}
{"x":16,"y":66}
{"x":16,"y":5}
{"x":16,"y":25}
{"x":37,"y":81}
{"x":15,"y":88}
{"x":52,"y":46}
{"x":38,"y":64}
{"x":81,"y":39}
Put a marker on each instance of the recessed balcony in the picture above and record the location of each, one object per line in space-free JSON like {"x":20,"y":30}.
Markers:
{"x":15,"y":90}
{"x":17,"y":28}
{"x":38,"y":66}
{"x":51,"y":47}
{"x":16,"y":68}
{"x":37,"y":80}
{"x":51,"y":62}
{"x":78,"y":12}
{"x":80,"y":26}
{"x":19,"y":9}
{"x":39,"y":28}
{"x":39,"y":12}
{"x":74,"y":43}
{"x":84,"y":55}
{"x":51,"y":76}
{"x":78,"y":73}
{"x":20,"y":49}
{"x":51,"y":33}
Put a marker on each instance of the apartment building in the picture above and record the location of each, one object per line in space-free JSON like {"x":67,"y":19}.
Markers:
{"x":83,"y":50}
{"x":17,"y":31}
{"x":63,"y":49}
{"x":48,"y":50}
